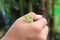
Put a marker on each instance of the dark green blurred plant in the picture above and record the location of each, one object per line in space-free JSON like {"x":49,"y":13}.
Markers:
{"x":16,"y":8}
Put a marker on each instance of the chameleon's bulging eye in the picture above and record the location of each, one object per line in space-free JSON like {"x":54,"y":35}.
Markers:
{"x":28,"y":19}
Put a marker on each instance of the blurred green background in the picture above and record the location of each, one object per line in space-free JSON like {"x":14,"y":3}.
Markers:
{"x":10,"y":10}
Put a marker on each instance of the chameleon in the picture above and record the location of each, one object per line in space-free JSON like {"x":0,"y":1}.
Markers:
{"x":28,"y":19}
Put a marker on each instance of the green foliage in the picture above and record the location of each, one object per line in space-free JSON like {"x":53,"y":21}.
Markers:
{"x":57,"y":16}
{"x":13,"y":8}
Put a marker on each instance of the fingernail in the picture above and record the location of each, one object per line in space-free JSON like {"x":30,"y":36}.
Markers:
{"x":40,"y":16}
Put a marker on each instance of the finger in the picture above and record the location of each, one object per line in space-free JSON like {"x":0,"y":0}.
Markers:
{"x":38,"y":17}
{"x":34,"y":16}
{"x":40,"y":24}
{"x":31,"y":14}
{"x":43,"y":34}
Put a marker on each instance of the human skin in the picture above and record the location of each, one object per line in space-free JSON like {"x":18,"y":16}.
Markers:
{"x":23,"y":30}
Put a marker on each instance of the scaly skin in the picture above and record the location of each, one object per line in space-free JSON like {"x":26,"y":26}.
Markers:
{"x":28,"y":19}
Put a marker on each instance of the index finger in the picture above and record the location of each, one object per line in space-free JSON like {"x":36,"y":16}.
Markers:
{"x":40,"y":24}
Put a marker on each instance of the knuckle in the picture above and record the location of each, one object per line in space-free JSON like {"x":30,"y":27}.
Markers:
{"x":31,"y":14}
{"x":47,"y":29}
{"x":42,"y":38}
{"x":35,"y":28}
{"x":44,"y":20}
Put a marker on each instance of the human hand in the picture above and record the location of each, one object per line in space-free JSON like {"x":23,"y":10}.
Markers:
{"x":23,"y":30}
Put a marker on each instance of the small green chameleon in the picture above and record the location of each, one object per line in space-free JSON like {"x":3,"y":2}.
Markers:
{"x":28,"y":19}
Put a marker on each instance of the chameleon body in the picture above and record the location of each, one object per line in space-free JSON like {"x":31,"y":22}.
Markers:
{"x":28,"y":19}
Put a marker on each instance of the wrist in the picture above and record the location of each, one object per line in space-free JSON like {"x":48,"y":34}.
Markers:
{"x":10,"y":35}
